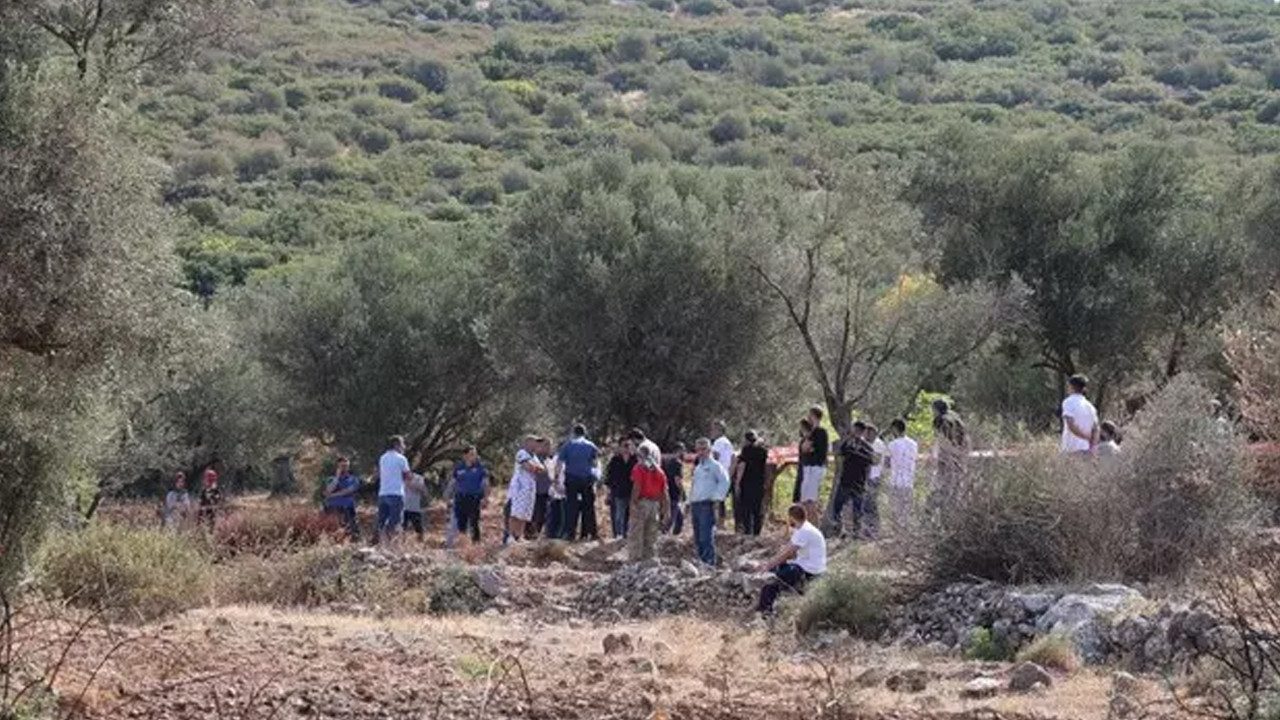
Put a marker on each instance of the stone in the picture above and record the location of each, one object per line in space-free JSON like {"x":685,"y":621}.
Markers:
{"x":980,"y":688}
{"x":1125,"y":684}
{"x":871,"y":677}
{"x":1083,"y":618}
{"x":1123,"y":706}
{"x":911,"y":680}
{"x":619,"y":644}
{"x":1027,"y":675}
{"x":489,"y":582}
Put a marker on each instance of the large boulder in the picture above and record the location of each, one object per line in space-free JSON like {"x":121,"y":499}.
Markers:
{"x":1084,"y":618}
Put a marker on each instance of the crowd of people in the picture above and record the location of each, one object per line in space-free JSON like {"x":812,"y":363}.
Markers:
{"x":552,"y":490}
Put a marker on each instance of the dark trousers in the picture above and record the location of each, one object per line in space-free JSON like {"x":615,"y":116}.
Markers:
{"x":619,"y":515}
{"x":851,"y":495}
{"x":869,"y":513}
{"x":346,"y":516}
{"x":466,"y":513}
{"x":413,"y":520}
{"x":676,"y":523}
{"x":580,"y":504}
{"x":704,"y":530}
{"x":506,"y":521}
{"x":751,"y":500}
{"x":534,"y":528}
{"x":555,"y":518}
{"x":788,"y":576}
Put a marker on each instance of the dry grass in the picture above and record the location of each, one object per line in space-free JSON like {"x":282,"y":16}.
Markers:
{"x":1051,"y":651}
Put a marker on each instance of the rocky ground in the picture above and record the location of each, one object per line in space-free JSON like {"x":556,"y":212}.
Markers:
{"x":547,"y":630}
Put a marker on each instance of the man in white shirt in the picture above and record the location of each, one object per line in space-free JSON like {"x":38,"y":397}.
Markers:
{"x":393,"y":473}
{"x":722,"y":451}
{"x":870,"y":519}
{"x":1079,"y":419}
{"x":901,"y":462}
{"x":803,"y":559}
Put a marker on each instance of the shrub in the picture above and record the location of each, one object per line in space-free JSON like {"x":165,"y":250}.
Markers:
{"x":632,"y":47}
{"x":268,"y":100}
{"x":258,"y":162}
{"x":397,"y":90}
{"x":703,"y":8}
{"x":201,"y":165}
{"x":454,"y":590}
{"x":375,"y":141}
{"x":844,"y":600}
{"x":563,"y":113}
{"x":730,"y":127}
{"x":1173,"y":499}
{"x":482,"y":194}
{"x":310,"y":577}
{"x":124,"y":572}
{"x":1051,"y":651}
{"x":296,"y":97}
{"x":430,"y":74}
{"x":981,"y":645}
{"x":273,"y":530}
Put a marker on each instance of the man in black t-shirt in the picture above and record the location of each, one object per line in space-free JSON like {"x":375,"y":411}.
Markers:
{"x":673,"y":468}
{"x":856,"y":459}
{"x":748,"y":482}
{"x":618,"y":477}
{"x":813,"y":463}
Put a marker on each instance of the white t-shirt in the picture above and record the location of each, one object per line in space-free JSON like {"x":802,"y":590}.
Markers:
{"x":413,"y":494}
{"x":902,"y":462}
{"x":1078,"y":408}
{"x":391,"y":469}
{"x":811,"y":553}
{"x":878,"y":448}
{"x":723,"y":450}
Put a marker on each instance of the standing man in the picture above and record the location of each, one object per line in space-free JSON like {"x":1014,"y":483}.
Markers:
{"x":813,"y":462}
{"x":748,"y":483}
{"x":902,"y":476}
{"x":856,"y":458}
{"x":710,"y":486}
{"x":673,"y":468}
{"x":803,"y":559}
{"x":523,"y":491}
{"x":555,"y":499}
{"x":393,"y":473}
{"x":950,"y":453}
{"x":542,"y":484}
{"x":1079,"y":419}
{"x":177,"y":503}
{"x":340,"y":497}
{"x":871,"y":498}
{"x":618,"y":476}
{"x":414,"y":489}
{"x":722,"y":449}
{"x":649,"y":504}
{"x":580,"y":457}
{"x":470,"y":485}
{"x":210,"y":499}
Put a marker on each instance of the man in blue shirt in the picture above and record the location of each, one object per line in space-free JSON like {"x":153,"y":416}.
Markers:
{"x":710,"y":486}
{"x":581,"y":471}
{"x":340,"y":497}
{"x":470,"y":481}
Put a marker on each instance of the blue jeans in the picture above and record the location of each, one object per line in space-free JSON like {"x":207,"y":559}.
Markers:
{"x":390,"y":512}
{"x":703,"y":515}
{"x":619,"y":513}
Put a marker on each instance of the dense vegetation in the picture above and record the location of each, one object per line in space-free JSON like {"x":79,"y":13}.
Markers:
{"x":459,"y":220}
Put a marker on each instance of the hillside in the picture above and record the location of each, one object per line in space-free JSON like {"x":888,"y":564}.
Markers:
{"x":329,"y":119}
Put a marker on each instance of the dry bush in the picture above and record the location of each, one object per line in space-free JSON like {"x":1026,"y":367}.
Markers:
{"x":1051,"y":651}
{"x":275,"y":529}
{"x":1238,"y":673}
{"x":125,"y":573}
{"x":1173,"y":499}
{"x":308,"y":577}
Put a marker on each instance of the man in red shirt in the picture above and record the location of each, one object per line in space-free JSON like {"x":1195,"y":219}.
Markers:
{"x":650,"y":505}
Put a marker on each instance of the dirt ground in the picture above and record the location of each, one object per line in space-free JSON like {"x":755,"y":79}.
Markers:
{"x":522,"y":661}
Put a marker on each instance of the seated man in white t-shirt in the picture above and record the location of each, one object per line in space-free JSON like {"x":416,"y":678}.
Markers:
{"x":803,"y":559}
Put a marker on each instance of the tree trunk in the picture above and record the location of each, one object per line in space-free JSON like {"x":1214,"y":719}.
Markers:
{"x":283,"y":481}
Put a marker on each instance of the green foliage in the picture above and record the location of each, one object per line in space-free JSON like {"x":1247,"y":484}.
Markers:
{"x":844,"y":600}
{"x":126,"y":573}
{"x":981,"y":645}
